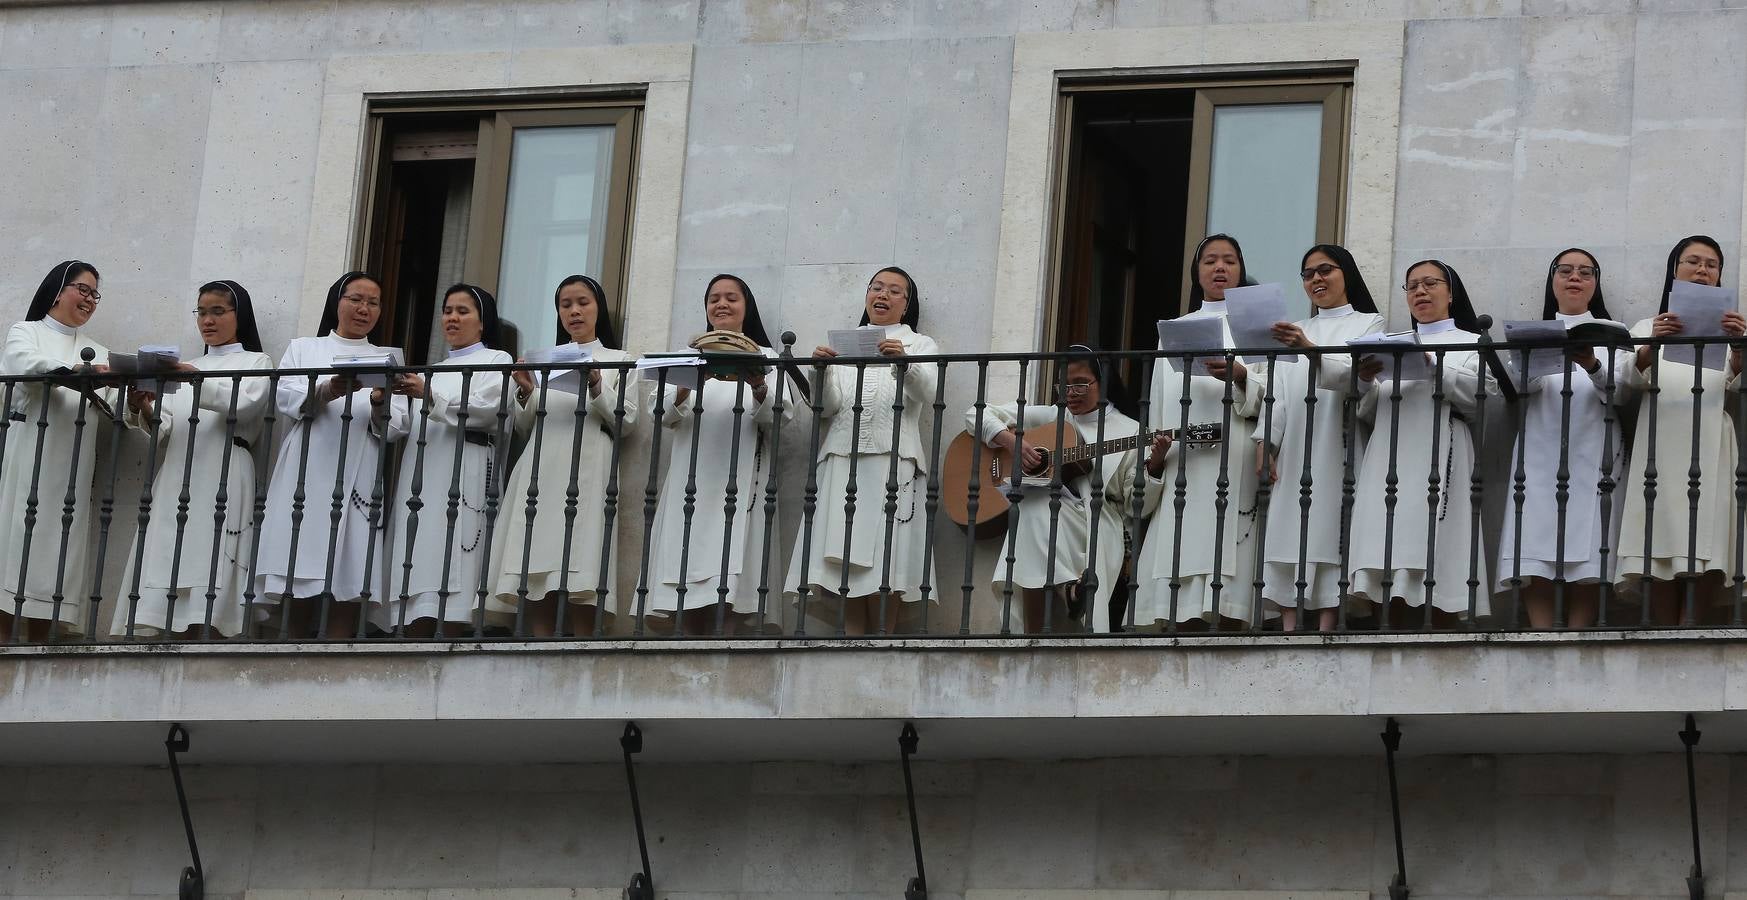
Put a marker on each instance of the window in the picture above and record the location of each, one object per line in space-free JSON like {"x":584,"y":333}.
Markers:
{"x":1146,"y":168}
{"x":509,"y":196}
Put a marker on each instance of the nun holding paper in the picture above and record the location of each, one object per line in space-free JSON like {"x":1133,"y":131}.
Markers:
{"x":50,"y":340}
{"x":339,"y":429}
{"x":1425,"y":415}
{"x":440,"y":543}
{"x":1671,"y":563}
{"x":545,"y":555}
{"x":1199,"y":566}
{"x":194,"y":571}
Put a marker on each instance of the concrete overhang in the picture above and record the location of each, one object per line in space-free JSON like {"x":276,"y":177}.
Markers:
{"x":699,"y":700}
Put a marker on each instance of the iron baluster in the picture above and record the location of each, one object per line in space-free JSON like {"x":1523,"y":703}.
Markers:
{"x":810,"y":498}
{"x":1015,"y":499}
{"x":610,"y":511}
{"x":973,"y":497}
{"x":453,"y":512}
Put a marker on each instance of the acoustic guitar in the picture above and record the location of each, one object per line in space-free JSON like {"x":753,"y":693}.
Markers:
{"x":1062,"y":448}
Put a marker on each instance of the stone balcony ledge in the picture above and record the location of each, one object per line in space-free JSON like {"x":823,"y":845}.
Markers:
{"x":1623,"y":691}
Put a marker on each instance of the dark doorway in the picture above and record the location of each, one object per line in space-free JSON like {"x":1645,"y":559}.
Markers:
{"x":1127,"y":189}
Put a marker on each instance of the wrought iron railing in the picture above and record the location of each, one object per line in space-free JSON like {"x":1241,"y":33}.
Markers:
{"x":523,"y":512}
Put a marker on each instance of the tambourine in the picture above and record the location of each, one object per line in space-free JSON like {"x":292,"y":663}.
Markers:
{"x":728,"y":354}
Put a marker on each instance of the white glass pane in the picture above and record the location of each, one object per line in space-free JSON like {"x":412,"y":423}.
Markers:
{"x":554,"y":221}
{"x":1265,"y":166}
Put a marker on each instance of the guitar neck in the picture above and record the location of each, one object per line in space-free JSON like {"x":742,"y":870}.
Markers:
{"x":1085,"y":452}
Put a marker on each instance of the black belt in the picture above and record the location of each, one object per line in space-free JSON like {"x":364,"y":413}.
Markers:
{"x":243,"y":444}
{"x":16,"y":417}
{"x":481,"y":438}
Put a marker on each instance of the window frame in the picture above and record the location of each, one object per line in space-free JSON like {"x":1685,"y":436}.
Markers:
{"x":1331,"y":189}
{"x":498,"y":116}
{"x":1331,"y":83}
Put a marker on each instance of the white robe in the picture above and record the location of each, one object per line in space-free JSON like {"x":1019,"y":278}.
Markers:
{"x":358,"y":548}
{"x":1330,"y":432}
{"x":547,"y":453}
{"x":428,"y":568}
{"x":36,"y":348}
{"x":1586,"y":526}
{"x":725,"y":447}
{"x":868,"y":566}
{"x":1418,"y":428}
{"x":1202,"y":535}
{"x":1074,"y":522}
{"x":187,"y":586}
{"x":1672,"y":439}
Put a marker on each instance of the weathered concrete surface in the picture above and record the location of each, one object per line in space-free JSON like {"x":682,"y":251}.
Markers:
{"x":1303,"y":826}
{"x":794,"y":700}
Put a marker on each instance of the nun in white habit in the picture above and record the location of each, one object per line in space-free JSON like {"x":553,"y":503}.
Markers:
{"x":1660,"y":554}
{"x":873,"y":577}
{"x":1568,"y":547}
{"x":1431,"y":441}
{"x":449,"y":469}
{"x":733,"y":449}
{"x":1204,"y":569}
{"x":1341,"y":309}
{"x":1086,"y":533}
{"x":547,"y":553}
{"x":48,"y":586}
{"x":188,"y":571}
{"x":330,"y":460}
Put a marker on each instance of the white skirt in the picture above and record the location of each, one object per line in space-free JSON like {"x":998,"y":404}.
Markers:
{"x":1322,"y":585}
{"x":868,"y":568}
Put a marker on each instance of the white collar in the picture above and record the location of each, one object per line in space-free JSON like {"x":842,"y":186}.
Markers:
{"x":349,"y":342}
{"x":1345,"y":309}
{"x":226,"y":349}
{"x":594,"y":346}
{"x":55,"y":324}
{"x":1212,"y":307}
{"x":1584,"y":316}
{"x":470,"y":348}
{"x":1438,"y":327}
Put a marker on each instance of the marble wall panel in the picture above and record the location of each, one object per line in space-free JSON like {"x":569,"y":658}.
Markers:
{"x":740,"y":157}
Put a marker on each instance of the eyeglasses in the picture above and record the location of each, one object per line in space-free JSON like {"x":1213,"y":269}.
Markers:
{"x":86,"y":291}
{"x":212,"y":312}
{"x":1699,"y":262}
{"x":1587,"y":273}
{"x":882,"y":289}
{"x":1427,"y":283}
{"x":360,"y":298}
{"x":1078,"y":387}
{"x":1324,"y":270}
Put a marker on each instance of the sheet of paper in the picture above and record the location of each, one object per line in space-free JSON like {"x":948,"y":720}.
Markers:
{"x":152,"y":359}
{"x":1253,"y":312}
{"x":863,"y":341}
{"x":1192,"y":334}
{"x":385,"y":357}
{"x":684,"y":370}
{"x":1539,"y":362}
{"x":1415,"y":366}
{"x":559,"y":378}
{"x":1700,"y":308}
